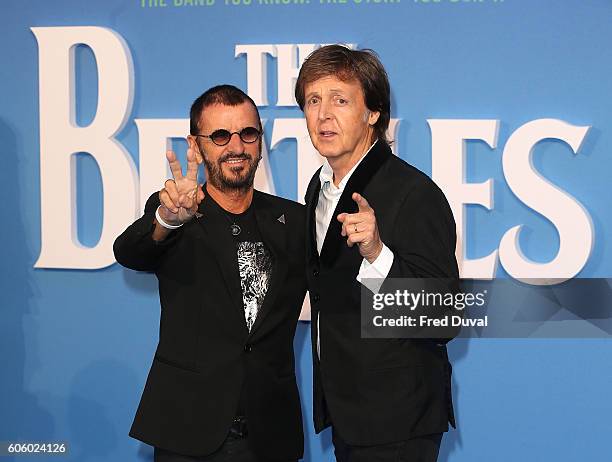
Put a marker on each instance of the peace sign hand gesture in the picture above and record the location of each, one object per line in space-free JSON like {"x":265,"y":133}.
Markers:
{"x":182,"y":195}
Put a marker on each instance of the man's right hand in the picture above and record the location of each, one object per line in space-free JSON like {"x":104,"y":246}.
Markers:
{"x":181,"y":195}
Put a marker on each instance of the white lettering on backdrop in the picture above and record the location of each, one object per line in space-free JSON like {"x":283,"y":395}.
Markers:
{"x":125,"y":190}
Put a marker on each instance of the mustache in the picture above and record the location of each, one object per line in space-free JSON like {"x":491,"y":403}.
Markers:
{"x":234,"y":156}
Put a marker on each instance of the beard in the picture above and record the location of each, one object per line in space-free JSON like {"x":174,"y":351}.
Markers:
{"x":240,"y":178}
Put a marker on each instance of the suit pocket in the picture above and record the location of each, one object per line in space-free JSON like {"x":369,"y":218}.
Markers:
{"x":185,"y":365}
{"x":394,"y":384}
{"x":394,"y":366}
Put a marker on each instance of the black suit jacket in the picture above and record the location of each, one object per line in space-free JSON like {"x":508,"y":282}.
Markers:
{"x":376,"y":391}
{"x":205,"y":352}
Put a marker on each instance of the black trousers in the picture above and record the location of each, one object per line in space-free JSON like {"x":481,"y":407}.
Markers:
{"x":233,"y":449}
{"x":420,"y":449}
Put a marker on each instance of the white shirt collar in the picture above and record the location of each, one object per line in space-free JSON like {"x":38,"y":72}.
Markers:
{"x":327,"y":174}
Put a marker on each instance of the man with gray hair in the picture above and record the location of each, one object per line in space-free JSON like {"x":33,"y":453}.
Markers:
{"x":369,"y":214}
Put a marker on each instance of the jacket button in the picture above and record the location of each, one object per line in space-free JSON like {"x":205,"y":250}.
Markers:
{"x":316,"y":298}
{"x":247,"y":348}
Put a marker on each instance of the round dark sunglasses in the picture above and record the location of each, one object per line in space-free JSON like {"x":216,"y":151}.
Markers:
{"x":221,"y":137}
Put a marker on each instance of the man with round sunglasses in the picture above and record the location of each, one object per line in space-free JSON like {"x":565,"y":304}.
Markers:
{"x":230,"y":265}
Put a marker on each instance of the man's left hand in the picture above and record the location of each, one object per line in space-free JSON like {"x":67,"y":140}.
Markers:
{"x":360,"y":228}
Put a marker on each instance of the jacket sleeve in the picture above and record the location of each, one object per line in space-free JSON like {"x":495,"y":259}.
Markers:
{"x":423,"y":245}
{"x":135,"y":247}
{"x":424,"y":236}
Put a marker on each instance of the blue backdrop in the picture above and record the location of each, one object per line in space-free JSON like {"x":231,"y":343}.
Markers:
{"x":76,"y":344}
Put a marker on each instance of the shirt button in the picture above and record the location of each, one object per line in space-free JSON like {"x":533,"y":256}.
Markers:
{"x":316,"y":298}
{"x":315,"y":272}
{"x":247,"y":348}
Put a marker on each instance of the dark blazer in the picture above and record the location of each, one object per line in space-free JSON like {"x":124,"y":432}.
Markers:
{"x":205,"y":352}
{"x":376,"y":391}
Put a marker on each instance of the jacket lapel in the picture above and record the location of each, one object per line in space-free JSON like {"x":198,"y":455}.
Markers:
{"x":273,"y":232}
{"x":332,"y":245}
{"x":312,"y":198}
{"x":216,"y":228}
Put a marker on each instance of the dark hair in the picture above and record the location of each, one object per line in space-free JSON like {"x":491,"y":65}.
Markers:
{"x":346,"y":64}
{"x":228,"y":95}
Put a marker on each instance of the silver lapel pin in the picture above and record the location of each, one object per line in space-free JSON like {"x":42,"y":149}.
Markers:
{"x":282,"y":218}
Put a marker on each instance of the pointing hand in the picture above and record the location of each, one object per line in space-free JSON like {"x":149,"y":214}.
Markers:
{"x":360,"y":228}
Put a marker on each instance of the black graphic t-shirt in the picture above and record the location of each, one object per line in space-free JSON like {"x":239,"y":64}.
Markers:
{"x":254,"y":263}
